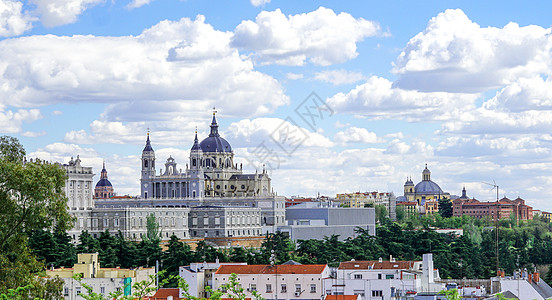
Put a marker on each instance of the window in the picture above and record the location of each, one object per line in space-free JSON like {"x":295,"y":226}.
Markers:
{"x":358,"y":276}
{"x":284,"y":288}
{"x":116,"y":222}
{"x":313,"y":288}
{"x":377,"y":293}
{"x":379,"y":276}
{"x":78,"y":290}
{"x":105,"y":222}
{"x":253,"y":287}
{"x":66,"y":292}
{"x":194,"y":221}
{"x":298,"y":288}
{"x":389,"y":276}
{"x":269,"y":288}
{"x":102,"y":290}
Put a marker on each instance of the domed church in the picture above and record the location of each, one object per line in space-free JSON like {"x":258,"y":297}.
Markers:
{"x":425,"y":190}
{"x":104,"y":188}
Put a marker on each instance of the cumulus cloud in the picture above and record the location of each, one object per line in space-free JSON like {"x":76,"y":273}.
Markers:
{"x":137,"y":3}
{"x":534,"y":93}
{"x":13,"y":20}
{"x":321,"y":37}
{"x":11,"y":121}
{"x":338,"y":77}
{"x":60,"y":12}
{"x":257,"y":3}
{"x":356,"y":135}
{"x":274,"y":131}
{"x":185,"y":60}
{"x":294,"y":76}
{"x":455,"y":54}
{"x":377,"y":98}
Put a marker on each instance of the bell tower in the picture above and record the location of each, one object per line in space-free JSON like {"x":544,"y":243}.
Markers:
{"x":196,"y":187}
{"x":148,"y":169}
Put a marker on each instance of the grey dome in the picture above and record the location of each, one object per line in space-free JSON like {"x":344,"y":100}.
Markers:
{"x":103,"y":182}
{"x":428,"y":187}
{"x":215,"y":143}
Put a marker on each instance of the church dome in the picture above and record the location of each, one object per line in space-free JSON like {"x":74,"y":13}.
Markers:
{"x":428,"y":187}
{"x":215,"y":143}
{"x":103,"y":182}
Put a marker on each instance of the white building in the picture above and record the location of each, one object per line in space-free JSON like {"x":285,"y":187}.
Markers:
{"x":200,"y":275}
{"x":78,"y":189}
{"x":384,"y":279}
{"x":524,"y":285}
{"x":277,"y":282}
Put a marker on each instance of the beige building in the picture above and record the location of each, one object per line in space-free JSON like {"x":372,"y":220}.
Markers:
{"x":102,"y":280}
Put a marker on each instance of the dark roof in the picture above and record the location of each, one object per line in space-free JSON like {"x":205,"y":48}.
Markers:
{"x":103,"y":182}
{"x":243,"y":176}
{"x":196,"y":143}
{"x":148,"y":145}
{"x":215,"y":143}
{"x":428,"y":187}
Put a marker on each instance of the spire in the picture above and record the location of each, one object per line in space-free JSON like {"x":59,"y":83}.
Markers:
{"x":196,"y":141}
{"x":104,"y":172}
{"x":214,"y":125}
{"x":148,"y":144}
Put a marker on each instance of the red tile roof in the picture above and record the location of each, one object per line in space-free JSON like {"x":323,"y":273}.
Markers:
{"x":267,"y":269}
{"x":342,"y":297}
{"x":162,"y":294}
{"x":376,"y":265}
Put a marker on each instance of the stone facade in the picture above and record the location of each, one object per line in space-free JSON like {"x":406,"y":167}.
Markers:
{"x":210,"y":187}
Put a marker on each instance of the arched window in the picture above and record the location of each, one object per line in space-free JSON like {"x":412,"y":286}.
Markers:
{"x":145,"y":163}
{"x":194,"y":162}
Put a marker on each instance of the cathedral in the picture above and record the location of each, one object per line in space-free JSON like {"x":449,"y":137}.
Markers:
{"x":425,"y":190}
{"x":210,"y":197}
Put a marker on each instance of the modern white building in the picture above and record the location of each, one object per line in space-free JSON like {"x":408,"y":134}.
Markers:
{"x":384,"y":279}
{"x":524,"y":285}
{"x":277,"y":282}
{"x":200,"y":275}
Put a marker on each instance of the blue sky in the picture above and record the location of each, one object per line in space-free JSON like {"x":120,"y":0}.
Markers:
{"x":462,"y":86}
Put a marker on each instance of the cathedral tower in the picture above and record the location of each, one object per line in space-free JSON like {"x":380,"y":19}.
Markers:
{"x":148,"y":169}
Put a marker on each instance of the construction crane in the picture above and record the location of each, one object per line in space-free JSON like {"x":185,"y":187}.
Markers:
{"x":497,"y":216}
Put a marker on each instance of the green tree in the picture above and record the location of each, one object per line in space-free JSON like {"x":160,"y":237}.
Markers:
{"x":177,"y":254}
{"x":401,"y":214}
{"x":152,"y":227}
{"x":382,"y":215}
{"x":31,"y":198}
{"x":445,"y":208}
{"x":87,"y":244}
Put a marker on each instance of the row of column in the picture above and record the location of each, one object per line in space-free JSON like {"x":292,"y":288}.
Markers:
{"x":171,"y":189}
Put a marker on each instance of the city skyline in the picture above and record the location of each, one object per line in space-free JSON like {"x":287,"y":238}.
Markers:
{"x":463,"y":87}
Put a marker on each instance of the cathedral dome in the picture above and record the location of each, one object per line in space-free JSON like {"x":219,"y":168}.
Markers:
{"x":215,"y":143}
{"x":428,"y":187}
{"x":103,"y":182}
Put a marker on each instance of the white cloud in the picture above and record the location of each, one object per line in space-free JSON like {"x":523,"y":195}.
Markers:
{"x":182,"y":62}
{"x":339,"y":77}
{"x":33,"y":133}
{"x":356,"y":135}
{"x":57,"y":113}
{"x":320,"y":37}
{"x":455,"y":54}
{"x":13,"y":20}
{"x":257,"y":3}
{"x":60,"y":12}
{"x":11,"y":121}
{"x":137,"y":3}
{"x":294,"y":76}
{"x":271,"y":131}
{"x":533,"y":93}
{"x":377,"y":98}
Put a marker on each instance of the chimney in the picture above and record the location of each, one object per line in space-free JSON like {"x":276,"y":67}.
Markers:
{"x":530,"y":277}
{"x":390,"y":257}
{"x":380,"y":259}
{"x":536,"y":277}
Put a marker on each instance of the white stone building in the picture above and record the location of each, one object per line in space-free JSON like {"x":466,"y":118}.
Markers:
{"x":384,"y":279}
{"x":78,"y":189}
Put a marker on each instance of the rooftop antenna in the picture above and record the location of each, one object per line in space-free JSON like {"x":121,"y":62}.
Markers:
{"x":497,"y":216}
